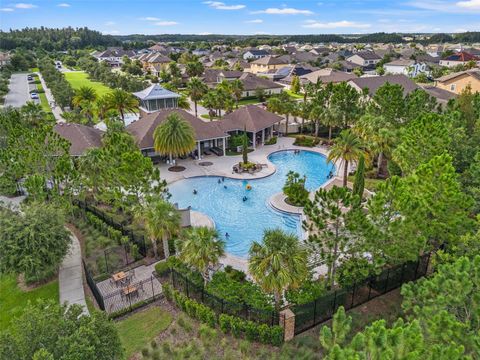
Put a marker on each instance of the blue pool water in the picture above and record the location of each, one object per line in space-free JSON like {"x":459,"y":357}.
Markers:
{"x":246,"y":221}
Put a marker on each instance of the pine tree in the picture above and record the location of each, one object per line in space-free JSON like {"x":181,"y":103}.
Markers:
{"x":359,"y":183}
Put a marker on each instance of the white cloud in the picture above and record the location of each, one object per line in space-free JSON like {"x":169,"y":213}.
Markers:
{"x":166,"y":23}
{"x":110,"y":23}
{"x":222,"y":6}
{"x":6,"y":9}
{"x":255,"y":21}
{"x":335,"y":25}
{"x":205,"y":33}
{"x":25,"y":6}
{"x":150,"y":18}
{"x":65,"y":5}
{"x":261,"y":33}
{"x":469,"y":4}
{"x":284,"y":11}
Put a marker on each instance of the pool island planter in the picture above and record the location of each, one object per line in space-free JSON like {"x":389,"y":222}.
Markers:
{"x":278,"y":202}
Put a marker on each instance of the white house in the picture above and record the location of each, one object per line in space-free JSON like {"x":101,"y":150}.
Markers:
{"x":410,"y":68}
{"x":254,"y":54}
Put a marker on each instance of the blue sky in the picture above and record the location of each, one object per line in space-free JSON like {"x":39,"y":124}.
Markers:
{"x":245,"y":16}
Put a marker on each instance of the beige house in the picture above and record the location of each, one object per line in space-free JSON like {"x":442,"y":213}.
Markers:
{"x":266,"y":64}
{"x":458,"y":81}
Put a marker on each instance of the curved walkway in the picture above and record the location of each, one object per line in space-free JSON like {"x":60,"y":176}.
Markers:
{"x":70,"y":273}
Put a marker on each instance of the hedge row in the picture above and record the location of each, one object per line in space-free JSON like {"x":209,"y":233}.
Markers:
{"x":106,"y":229}
{"x":227,"y":323}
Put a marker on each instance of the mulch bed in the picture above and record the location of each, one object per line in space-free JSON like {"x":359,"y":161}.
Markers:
{"x":176,"y":168}
{"x":205,"y":163}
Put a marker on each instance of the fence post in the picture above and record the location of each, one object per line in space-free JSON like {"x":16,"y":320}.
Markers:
{"x":386,"y":282}
{"x":287,"y":321}
{"x":334,"y":302}
{"x":353,"y":294}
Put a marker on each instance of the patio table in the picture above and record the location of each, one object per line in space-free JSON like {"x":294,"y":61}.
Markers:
{"x":120,"y":276}
{"x":130,"y":290}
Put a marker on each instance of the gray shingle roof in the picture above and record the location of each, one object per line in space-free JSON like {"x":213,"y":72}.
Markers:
{"x":374,"y":82}
{"x":251,"y":117}
{"x":81,"y":137}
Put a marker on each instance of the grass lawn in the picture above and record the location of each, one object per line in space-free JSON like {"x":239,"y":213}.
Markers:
{"x":370,"y":184}
{"x":80,"y":78}
{"x":43,"y":98}
{"x":248,"y":101}
{"x":140,"y":328}
{"x":293,"y":95}
{"x":206,"y":116}
{"x":13,"y":300}
{"x":34,"y":69}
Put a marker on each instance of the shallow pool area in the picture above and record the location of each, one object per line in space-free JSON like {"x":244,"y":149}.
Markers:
{"x":241,"y":222}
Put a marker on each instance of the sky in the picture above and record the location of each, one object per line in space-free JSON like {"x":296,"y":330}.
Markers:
{"x":245,"y":17}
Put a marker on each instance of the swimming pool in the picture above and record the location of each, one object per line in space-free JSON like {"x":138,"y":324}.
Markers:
{"x":245,"y":221}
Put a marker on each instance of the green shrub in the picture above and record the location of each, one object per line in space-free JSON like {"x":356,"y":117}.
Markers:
{"x":251,"y":330}
{"x":307,"y":141}
{"x":162,"y":268}
{"x":276,"y":335}
{"x":264,"y":333}
{"x":224,"y":322}
{"x":271,"y":141}
{"x":237,"y":326}
{"x":167,"y":290}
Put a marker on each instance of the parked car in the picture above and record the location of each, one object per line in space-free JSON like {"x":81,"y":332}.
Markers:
{"x":30,"y":78}
{"x":34,"y":95}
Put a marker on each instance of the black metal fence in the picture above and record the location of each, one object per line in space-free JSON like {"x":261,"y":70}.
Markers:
{"x":322,"y":309}
{"x":134,"y":237}
{"x":123,"y":298}
{"x":221,"y":306}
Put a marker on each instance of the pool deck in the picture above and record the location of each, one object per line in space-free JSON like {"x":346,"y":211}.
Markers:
{"x":222,"y":166}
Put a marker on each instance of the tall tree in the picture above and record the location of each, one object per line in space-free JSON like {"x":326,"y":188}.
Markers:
{"x":194,"y":68}
{"x":236,"y":87}
{"x":345,"y":103}
{"x":278,"y":264}
{"x":196,"y":90}
{"x":201,"y":248}
{"x":347,"y":148}
{"x":359,"y":183}
{"x":161,"y":221}
{"x":174,"y":137}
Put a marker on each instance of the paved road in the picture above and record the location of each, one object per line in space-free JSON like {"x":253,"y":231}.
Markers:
{"x":18,"y":94}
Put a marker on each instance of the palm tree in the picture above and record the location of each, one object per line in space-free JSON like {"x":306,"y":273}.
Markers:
{"x":210,"y":102}
{"x":161,"y":221}
{"x":347,"y":147}
{"x":201,"y":248}
{"x":197,"y":90}
{"x":84,"y":94}
{"x":236,"y":87}
{"x":122,"y":102}
{"x":32,"y":113}
{"x":102,"y":107}
{"x":175,"y":136}
{"x":278,"y":263}
{"x":182,"y":103}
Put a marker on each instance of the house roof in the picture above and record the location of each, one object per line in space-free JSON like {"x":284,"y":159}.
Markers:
{"x":441,"y":95}
{"x":257,"y":52}
{"x":157,"y":58}
{"x":81,"y":137}
{"x":230,"y":74}
{"x":374,"y":82}
{"x":155,"y":91}
{"x":475,"y":73}
{"x":328,"y":76}
{"x":268,"y":60}
{"x":367,"y":55}
{"x":253,"y":82}
{"x":401,"y":62}
{"x":462,"y":56}
{"x":143,"y":129}
{"x":251,"y":117}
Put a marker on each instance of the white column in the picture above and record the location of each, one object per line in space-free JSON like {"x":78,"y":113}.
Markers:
{"x":253,"y":139}
{"x":224,"y":146}
{"x":263,"y":137}
{"x":199,"y":148}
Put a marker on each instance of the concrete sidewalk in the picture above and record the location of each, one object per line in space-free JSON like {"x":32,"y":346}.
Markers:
{"x":56,"y":110}
{"x":70,"y":277}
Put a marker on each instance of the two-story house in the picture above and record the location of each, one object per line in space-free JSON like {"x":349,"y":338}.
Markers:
{"x":364,"y":58}
{"x":410,"y":68}
{"x":266,"y":64}
{"x":458,"y":81}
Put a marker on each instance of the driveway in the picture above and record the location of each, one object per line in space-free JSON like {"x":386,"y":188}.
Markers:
{"x":19,"y":88}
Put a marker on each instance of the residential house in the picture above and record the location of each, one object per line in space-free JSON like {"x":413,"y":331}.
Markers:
{"x":155,"y":98}
{"x":81,"y":137}
{"x":255,"y":54}
{"x":154,"y":62}
{"x":200,"y":52}
{"x":442,"y":96}
{"x":457,"y":82}
{"x":113,"y":56}
{"x":364,"y":58}
{"x":410,"y":68}
{"x":257,"y":122}
{"x":265,"y":64}
{"x":326,"y":76}
{"x":373,"y":83}
{"x":212,"y":77}
{"x":207,"y":134}
{"x":252,"y":82}
{"x":460,"y":58}
{"x":320,"y":51}
{"x":285,"y":75}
